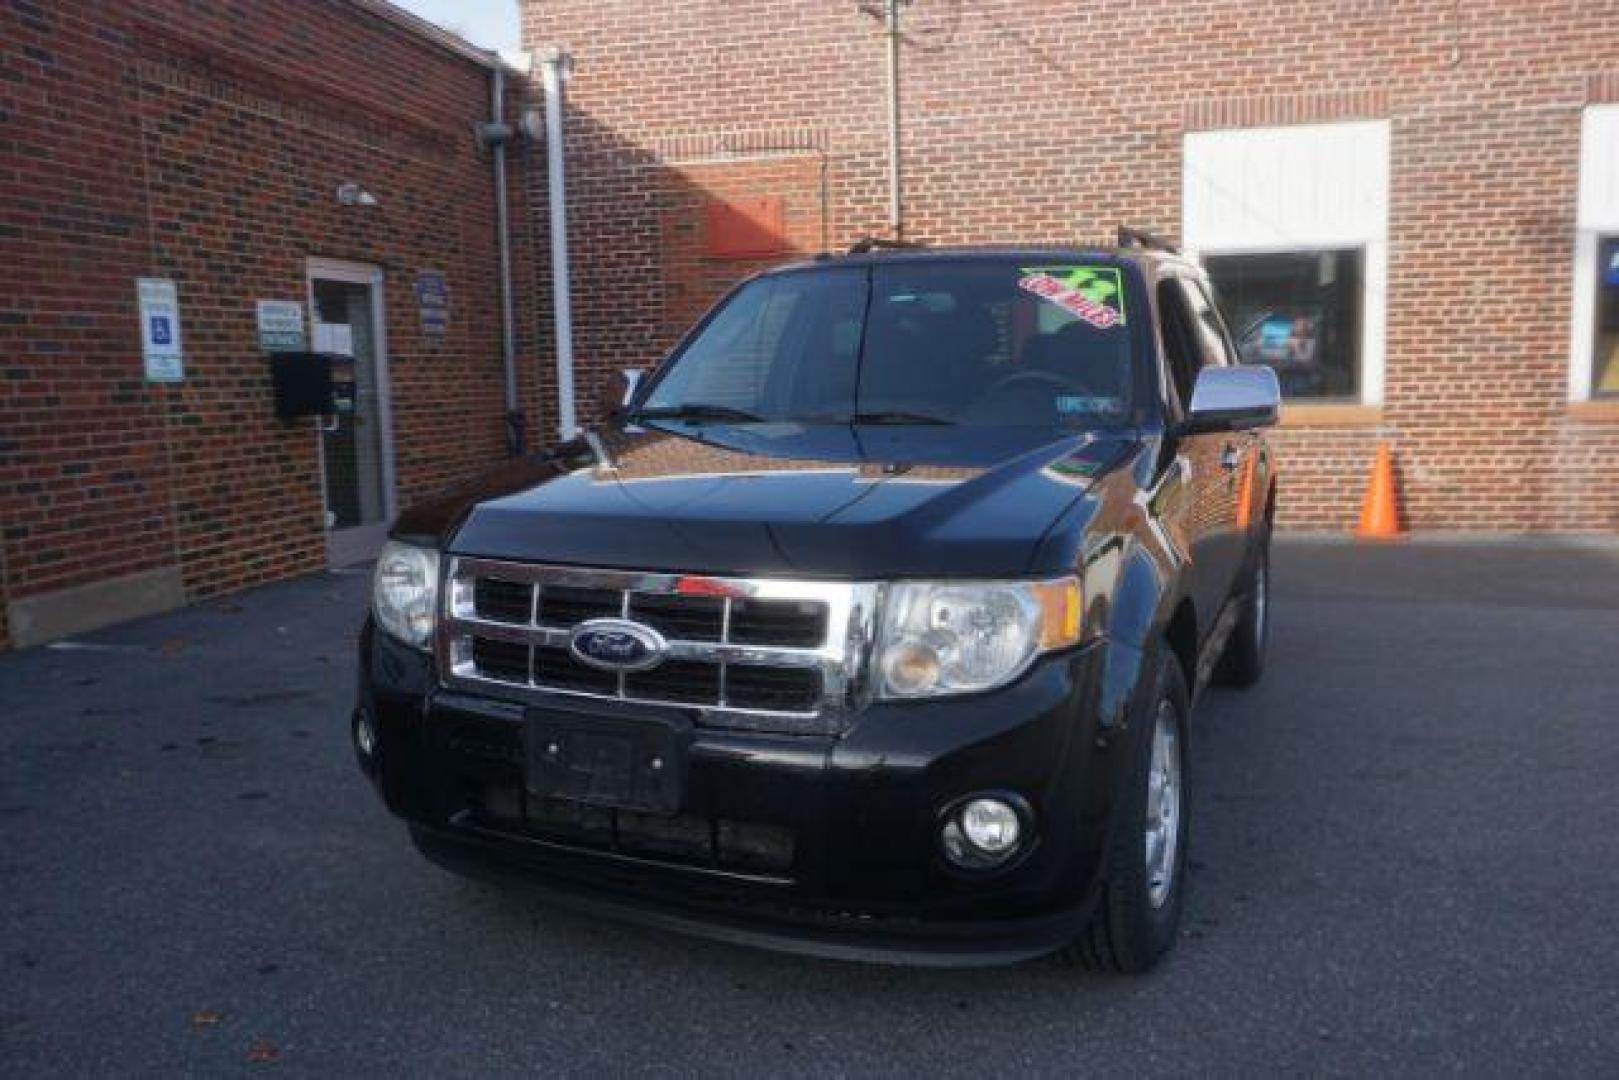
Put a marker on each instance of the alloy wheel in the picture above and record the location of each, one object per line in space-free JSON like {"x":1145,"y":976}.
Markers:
{"x":1165,"y":792}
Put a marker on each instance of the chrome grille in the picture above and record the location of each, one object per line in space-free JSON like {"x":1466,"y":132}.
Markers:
{"x":507,"y":661}
{"x":793,"y":623}
{"x":503,"y":601}
{"x":564,"y":606}
{"x":684,"y":618}
{"x":755,"y":653}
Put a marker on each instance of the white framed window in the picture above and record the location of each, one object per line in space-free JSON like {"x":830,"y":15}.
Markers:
{"x":1292,"y":226}
{"x":1593,"y":370}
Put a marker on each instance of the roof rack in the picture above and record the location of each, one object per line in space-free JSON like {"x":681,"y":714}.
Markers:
{"x":1129,"y":236}
{"x":877,"y":243}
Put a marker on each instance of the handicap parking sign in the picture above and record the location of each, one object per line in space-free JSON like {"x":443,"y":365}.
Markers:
{"x":160,"y":329}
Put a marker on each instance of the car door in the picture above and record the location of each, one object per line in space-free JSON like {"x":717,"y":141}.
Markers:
{"x":1210,"y":461}
{"x":1242,"y":452}
{"x":1233,"y":452}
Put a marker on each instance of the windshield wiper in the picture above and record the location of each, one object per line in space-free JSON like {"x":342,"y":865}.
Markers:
{"x":887,"y":416}
{"x":698,"y":410}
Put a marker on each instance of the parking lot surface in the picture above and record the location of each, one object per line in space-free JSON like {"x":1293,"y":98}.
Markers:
{"x":1405,"y":849}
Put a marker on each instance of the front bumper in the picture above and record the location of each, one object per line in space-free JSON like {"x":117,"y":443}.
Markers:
{"x":828,"y":845}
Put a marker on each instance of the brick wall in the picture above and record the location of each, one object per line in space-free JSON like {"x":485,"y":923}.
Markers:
{"x":1046,"y":122}
{"x":695,"y":261}
{"x":203,"y":141}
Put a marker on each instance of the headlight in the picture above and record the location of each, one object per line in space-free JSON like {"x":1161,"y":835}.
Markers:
{"x":404,"y":592}
{"x":957,"y":637}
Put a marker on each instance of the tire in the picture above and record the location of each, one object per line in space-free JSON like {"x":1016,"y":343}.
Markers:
{"x":1243,"y":661}
{"x":1138,"y":917}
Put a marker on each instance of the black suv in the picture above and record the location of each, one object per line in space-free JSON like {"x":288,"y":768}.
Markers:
{"x":868,"y":626}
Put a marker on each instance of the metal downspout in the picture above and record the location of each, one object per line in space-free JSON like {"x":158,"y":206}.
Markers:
{"x":508,"y":333}
{"x":896,"y":206}
{"x":555,"y":64}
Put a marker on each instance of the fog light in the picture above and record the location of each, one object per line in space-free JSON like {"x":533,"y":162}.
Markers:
{"x":365,"y":738}
{"x":991,"y":826}
{"x":983,"y":832}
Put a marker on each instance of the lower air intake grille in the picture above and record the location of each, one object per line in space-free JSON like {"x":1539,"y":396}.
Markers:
{"x":682,"y":839}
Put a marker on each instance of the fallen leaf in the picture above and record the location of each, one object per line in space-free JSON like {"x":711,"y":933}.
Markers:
{"x":173,"y":646}
{"x":262,"y":1051}
{"x":206,"y":1018}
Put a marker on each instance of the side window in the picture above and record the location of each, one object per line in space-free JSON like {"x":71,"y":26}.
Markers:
{"x":1181,"y":348}
{"x":1209,"y":313}
{"x":1210,"y":331}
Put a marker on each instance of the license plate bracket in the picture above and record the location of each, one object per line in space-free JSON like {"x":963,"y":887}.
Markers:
{"x":625,"y":762}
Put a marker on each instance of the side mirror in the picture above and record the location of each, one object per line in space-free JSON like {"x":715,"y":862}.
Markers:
{"x":1233,"y":399}
{"x":616,"y":391}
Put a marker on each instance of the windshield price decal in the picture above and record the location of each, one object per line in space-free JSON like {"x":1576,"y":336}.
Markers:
{"x":1091,"y":293}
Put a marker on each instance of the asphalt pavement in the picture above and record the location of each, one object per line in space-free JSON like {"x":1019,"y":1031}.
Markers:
{"x":1405,"y":855}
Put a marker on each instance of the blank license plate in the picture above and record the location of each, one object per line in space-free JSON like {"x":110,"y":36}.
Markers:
{"x":631,"y":764}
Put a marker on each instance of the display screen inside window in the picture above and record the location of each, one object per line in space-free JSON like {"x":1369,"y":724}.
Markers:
{"x":1605,"y":353}
{"x":1298,"y":312}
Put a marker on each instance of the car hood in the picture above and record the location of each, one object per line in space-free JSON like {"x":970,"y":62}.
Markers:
{"x":818,"y":500}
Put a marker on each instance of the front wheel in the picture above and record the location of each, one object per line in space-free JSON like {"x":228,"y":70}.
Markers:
{"x":1137,"y":920}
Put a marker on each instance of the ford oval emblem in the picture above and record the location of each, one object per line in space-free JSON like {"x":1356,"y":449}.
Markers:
{"x":617,"y":645}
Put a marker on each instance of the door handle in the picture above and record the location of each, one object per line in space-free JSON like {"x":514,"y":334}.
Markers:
{"x":1230,"y":458}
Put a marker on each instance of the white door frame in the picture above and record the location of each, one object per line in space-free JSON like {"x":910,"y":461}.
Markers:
{"x":362,"y":542}
{"x":1303,"y":187}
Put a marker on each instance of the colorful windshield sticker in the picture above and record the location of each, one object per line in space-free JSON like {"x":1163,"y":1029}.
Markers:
{"x":1092,"y":293}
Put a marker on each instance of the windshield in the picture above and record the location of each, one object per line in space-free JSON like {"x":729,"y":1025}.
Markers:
{"x":984,"y":343}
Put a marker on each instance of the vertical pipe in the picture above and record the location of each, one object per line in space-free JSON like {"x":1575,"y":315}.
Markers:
{"x":555,"y":65}
{"x":503,"y":244}
{"x":896,"y":212}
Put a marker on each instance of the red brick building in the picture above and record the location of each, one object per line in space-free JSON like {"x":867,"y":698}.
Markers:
{"x":1412,"y":207}
{"x":312,"y":153}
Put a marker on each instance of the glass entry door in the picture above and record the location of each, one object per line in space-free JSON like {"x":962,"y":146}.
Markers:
{"x":356,"y":451}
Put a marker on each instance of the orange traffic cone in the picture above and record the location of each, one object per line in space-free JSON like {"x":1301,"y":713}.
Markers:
{"x":1379,"y":516}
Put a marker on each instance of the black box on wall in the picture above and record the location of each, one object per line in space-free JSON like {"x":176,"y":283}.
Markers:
{"x":303,"y":384}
